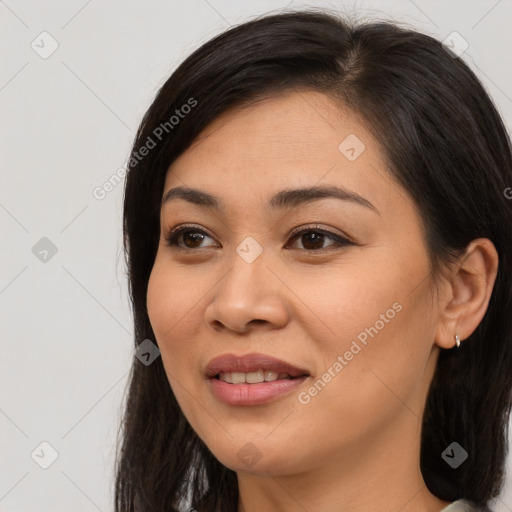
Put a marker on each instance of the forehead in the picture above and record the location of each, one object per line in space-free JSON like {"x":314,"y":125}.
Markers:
{"x":294,"y":139}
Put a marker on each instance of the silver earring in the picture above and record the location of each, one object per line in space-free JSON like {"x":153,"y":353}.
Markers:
{"x":457,"y":340}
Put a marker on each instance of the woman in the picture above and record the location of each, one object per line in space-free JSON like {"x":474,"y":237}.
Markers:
{"x":318,"y":239}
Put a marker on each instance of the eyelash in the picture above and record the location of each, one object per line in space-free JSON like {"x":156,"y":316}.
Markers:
{"x":172,"y":237}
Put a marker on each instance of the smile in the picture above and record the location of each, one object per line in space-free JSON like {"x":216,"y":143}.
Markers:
{"x":252,"y":379}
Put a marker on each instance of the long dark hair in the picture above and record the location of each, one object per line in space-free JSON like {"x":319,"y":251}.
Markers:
{"x":446,"y":144}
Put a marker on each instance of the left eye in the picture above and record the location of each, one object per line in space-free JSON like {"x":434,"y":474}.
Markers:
{"x":313,"y":239}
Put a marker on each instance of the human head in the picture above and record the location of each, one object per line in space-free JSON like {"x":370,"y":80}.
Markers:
{"x":413,"y":96}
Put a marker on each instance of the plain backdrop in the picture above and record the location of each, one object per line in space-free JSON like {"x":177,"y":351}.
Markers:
{"x":76,"y":77}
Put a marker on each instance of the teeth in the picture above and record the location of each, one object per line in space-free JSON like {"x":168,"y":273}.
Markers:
{"x":237,"y":378}
{"x":270,"y":376}
{"x":252,"y":377}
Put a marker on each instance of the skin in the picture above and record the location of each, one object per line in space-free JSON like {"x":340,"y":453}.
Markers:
{"x":355,"y":446}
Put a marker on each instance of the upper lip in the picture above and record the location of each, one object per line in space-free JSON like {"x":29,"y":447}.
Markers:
{"x":251,"y":363}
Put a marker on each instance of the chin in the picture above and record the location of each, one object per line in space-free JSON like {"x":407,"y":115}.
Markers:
{"x":257,"y":457}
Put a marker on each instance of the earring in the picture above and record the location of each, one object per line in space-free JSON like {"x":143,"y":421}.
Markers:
{"x":457,"y":340}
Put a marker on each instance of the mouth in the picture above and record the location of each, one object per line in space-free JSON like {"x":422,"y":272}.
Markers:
{"x":252,"y":379}
{"x":252,"y":369}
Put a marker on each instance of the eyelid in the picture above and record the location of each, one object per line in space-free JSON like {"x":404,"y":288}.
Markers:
{"x":318,"y":227}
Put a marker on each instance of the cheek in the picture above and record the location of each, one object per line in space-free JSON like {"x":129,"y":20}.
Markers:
{"x":350,"y":299}
{"x":174,"y":304}
{"x":175,"y":294}
{"x":377,"y":317}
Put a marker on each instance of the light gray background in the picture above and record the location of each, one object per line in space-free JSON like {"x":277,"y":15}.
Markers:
{"x":67,"y":122}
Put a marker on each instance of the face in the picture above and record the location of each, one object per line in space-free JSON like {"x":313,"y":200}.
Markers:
{"x":335,"y":284}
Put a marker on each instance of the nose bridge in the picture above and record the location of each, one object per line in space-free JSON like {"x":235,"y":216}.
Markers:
{"x":248,"y":278}
{"x":249,"y":290}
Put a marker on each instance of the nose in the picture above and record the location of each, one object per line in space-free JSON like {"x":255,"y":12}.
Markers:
{"x":249,"y":295}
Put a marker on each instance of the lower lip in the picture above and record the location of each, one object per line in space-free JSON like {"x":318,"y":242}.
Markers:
{"x":253,"y":394}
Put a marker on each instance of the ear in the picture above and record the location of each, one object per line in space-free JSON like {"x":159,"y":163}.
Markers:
{"x":468,"y":291}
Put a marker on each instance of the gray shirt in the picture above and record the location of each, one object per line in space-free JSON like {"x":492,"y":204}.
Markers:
{"x":464,"y":506}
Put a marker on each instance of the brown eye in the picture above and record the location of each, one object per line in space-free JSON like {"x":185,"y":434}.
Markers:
{"x":314,"y":239}
{"x":192,"y":239}
{"x":187,"y":238}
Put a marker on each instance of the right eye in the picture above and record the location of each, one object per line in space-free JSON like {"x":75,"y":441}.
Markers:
{"x":186,"y":237}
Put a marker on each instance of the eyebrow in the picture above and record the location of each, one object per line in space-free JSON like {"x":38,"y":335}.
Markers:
{"x":289,"y":198}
